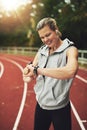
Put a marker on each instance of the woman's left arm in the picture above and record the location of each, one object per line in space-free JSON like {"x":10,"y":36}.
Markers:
{"x":65,"y":72}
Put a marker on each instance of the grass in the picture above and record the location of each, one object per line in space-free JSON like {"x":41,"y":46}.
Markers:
{"x":84,"y":66}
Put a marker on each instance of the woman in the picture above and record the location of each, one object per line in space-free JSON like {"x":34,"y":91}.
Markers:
{"x":54,"y":67}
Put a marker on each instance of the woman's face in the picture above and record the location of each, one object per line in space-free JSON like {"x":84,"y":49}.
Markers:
{"x":48,"y":36}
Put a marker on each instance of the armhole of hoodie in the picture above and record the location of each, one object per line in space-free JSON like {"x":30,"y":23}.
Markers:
{"x":67,"y":49}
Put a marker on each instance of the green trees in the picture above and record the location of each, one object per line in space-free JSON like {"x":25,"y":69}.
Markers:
{"x":19,"y":28}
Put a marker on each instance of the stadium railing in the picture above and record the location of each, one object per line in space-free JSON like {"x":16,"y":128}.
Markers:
{"x":32,"y":50}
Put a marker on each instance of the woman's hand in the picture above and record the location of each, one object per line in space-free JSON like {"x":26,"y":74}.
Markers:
{"x":27,"y":79}
{"x":28,"y":74}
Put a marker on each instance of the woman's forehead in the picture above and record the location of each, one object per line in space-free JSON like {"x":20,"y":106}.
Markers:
{"x":46,"y":29}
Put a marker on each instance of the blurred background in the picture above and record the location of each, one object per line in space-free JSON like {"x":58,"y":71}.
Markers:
{"x":18,"y":19}
{"x":19,"y":43}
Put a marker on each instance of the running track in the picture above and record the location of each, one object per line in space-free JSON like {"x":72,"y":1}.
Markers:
{"x":17,"y":99}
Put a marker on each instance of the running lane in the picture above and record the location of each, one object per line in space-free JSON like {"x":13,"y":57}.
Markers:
{"x":11,"y":93}
{"x":11,"y":89}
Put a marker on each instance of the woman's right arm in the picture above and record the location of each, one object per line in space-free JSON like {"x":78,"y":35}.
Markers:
{"x":26,"y":73}
{"x":35,"y":61}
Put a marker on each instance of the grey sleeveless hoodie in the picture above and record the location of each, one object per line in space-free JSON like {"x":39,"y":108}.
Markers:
{"x":52,"y":93}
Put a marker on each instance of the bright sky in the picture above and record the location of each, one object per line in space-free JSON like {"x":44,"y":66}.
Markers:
{"x":10,"y":5}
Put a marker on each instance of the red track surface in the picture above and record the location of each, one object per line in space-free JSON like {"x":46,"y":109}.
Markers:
{"x":12,"y":90}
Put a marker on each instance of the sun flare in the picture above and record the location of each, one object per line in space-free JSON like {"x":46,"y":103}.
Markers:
{"x":10,"y":5}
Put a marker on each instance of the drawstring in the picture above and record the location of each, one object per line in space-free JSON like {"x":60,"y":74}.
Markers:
{"x":45,"y":66}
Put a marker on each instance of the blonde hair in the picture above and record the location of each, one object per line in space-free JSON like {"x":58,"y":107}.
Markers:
{"x":50,"y":22}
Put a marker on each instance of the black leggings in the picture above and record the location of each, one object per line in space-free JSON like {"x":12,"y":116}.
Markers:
{"x":61,"y":118}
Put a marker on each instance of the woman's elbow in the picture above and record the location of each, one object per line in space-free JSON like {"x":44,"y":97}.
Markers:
{"x":73,"y":72}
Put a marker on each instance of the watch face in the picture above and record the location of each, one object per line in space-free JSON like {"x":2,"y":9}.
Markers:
{"x":35,"y":70}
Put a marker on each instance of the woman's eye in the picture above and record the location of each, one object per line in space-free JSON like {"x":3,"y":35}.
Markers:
{"x":48,"y":35}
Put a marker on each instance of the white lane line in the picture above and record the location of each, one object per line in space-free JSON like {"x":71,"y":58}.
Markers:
{"x":84,"y":121}
{"x":21,"y":107}
{"x":73,"y":108}
{"x":82,"y":79}
{"x":2,"y":69}
{"x":77,"y":117}
{"x":20,"y":59}
{"x":23,"y":98}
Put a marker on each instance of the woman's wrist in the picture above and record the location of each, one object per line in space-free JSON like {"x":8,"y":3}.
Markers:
{"x":41,"y":71}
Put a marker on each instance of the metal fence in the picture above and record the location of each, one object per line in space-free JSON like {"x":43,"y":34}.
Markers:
{"x":82,"y":56}
{"x":19,"y":50}
{"x":32,"y":50}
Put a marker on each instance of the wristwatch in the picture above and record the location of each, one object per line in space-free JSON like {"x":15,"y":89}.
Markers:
{"x":35,"y":70}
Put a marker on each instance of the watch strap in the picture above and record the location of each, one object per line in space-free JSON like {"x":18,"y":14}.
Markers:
{"x":35,"y":70}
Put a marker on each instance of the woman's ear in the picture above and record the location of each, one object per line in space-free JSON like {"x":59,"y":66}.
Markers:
{"x":58,"y":33}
